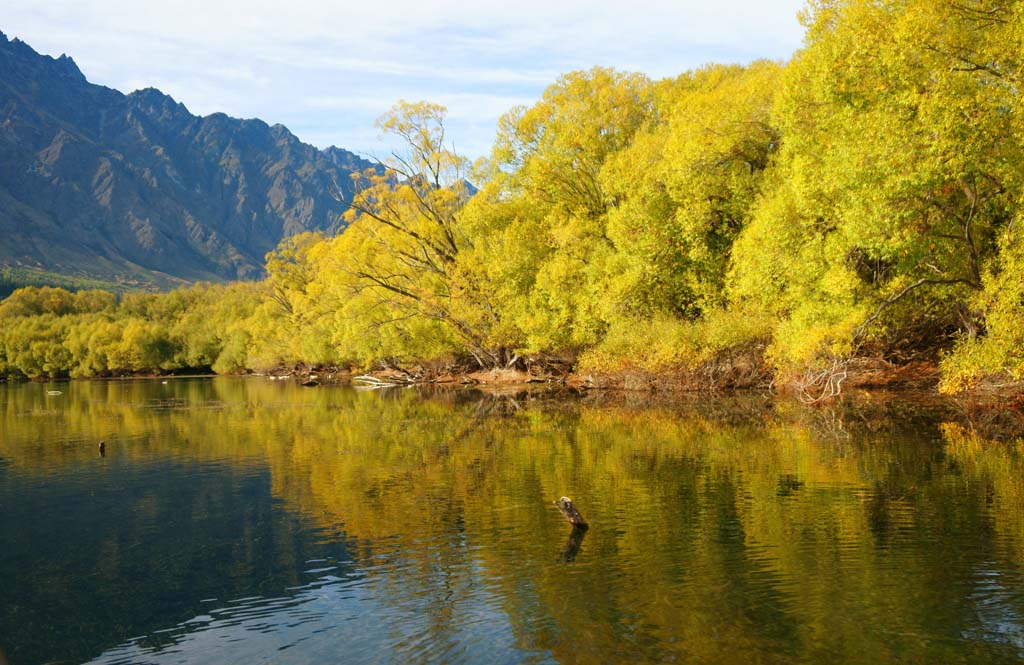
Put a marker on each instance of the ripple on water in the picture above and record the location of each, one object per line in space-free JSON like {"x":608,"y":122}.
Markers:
{"x":339,"y":617}
{"x":236,"y":522}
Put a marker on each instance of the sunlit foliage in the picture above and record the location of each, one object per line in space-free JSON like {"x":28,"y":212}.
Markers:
{"x":861,"y":200}
{"x":52,"y":332}
{"x":899,"y":169}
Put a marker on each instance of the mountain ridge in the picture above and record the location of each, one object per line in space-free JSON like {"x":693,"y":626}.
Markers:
{"x":134,"y":187}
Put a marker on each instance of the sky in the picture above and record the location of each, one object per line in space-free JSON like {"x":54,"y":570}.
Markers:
{"x":327,"y":70}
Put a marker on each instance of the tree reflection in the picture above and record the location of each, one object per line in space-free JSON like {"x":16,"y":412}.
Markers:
{"x":721,"y":530}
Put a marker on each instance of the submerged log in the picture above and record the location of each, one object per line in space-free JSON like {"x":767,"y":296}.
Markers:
{"x":572,"y":546}
{"x":570,"y":512}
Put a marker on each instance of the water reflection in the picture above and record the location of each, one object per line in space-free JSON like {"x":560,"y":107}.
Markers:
{"x":265,"y":521}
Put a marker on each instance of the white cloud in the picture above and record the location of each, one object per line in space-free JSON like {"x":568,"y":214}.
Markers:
{"x":460,"y":105}
{"x":327,"y":69}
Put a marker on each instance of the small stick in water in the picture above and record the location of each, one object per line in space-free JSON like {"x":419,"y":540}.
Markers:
{"x":570,"y":512}
{"x":103,"y":448}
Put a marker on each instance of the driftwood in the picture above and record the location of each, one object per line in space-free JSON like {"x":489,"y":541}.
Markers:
{"x":388,"y":380}
{"x":369,"y":381}
{"x":570,"y":512}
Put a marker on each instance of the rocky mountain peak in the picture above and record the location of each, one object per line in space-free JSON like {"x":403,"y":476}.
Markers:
{"x":136,"y":188}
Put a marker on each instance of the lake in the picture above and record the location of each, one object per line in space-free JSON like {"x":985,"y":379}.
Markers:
{"x":244,"y":521}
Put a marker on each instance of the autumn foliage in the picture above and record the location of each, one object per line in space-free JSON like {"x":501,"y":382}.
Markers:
{"x":860,"y":201}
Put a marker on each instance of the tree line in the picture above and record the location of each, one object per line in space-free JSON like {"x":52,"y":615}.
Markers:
{"x":860,"y":200}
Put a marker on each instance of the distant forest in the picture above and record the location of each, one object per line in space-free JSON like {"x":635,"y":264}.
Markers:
{"x":862,"y":201}
{"x":12,"y":279}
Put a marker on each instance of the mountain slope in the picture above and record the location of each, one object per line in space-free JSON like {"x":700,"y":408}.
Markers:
{"x":135,"y":188}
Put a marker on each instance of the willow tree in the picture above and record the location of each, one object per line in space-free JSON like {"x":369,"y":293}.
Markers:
{"x":683,"y":190}
{"x":998,"y":348}
{"x":542,"y":215}
{"x":396,"y":267}
{"x":898,"y":170}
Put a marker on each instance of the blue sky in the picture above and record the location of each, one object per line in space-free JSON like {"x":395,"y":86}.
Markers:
{"x":328,"y":69}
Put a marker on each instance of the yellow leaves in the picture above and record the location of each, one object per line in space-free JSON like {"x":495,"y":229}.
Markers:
{"x":559,"y":145}
{"x":682,"y":189}
{"x":890,"y":148}
{"x":806,"y":196}
{"x":999,"y":353}
{"x":388,"y":286}
{"x":417,"y":121}
{"x":665,"y":343}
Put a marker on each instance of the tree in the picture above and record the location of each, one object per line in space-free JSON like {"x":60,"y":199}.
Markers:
{"x":396,"y":266}
{"x":898,"y":168}
{"x":683,"y":190}
{"x":544,"y":197}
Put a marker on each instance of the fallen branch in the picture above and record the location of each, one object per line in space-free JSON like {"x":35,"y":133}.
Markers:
{"x":828,"y":383}
{"x":374,"y":382}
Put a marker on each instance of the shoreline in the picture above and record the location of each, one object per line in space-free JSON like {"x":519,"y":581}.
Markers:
{"x":860,"y":376}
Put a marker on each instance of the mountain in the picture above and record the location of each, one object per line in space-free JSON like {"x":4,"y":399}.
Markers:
{"x":135,"y":189}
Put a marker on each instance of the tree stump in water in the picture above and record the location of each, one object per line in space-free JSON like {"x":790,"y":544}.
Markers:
{"x":570,"y":512}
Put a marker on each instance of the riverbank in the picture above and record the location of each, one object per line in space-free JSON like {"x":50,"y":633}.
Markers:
{"x":747,"y":372}
{"x":741,"y":374}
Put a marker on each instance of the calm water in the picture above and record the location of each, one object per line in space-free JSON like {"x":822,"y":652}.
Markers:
{"x":248,"y":521}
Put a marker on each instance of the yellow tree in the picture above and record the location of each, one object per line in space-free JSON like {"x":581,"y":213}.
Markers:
{"x":396,"y":266}
{"x":898,"y":168}
{"x":682,"y":191}
{"x":542,"y":215}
